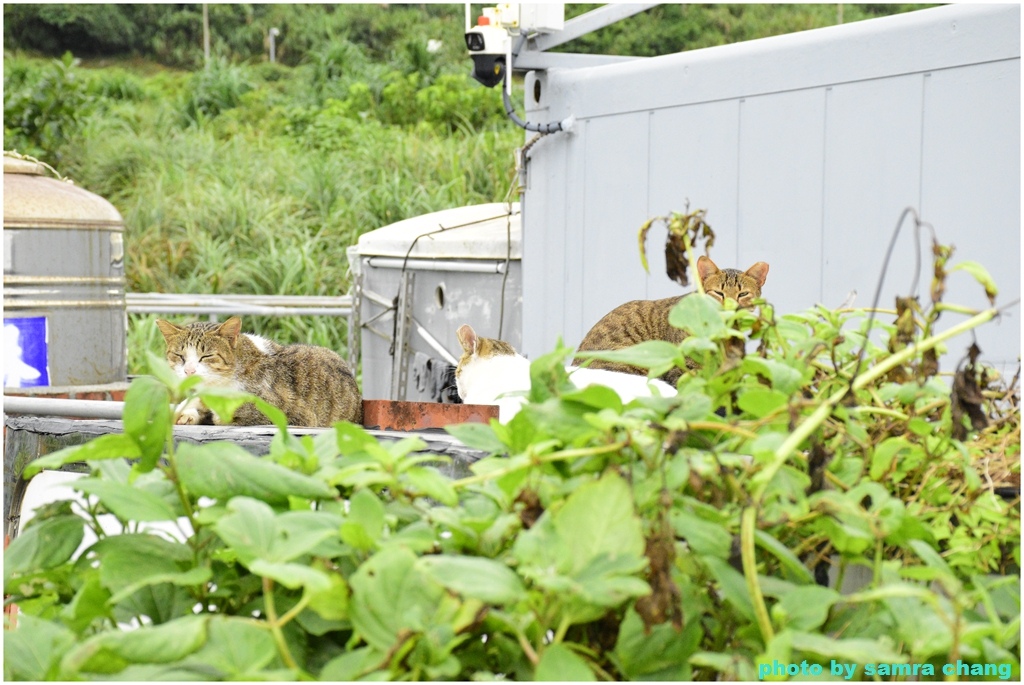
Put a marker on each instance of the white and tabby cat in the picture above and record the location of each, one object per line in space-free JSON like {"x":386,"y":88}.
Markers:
{"x":492,"y":372}
{"x":312,"y":385}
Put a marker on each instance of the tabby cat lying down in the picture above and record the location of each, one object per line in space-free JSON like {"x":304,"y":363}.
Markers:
{"x":490,"y":369}
{"x":641,"y":320}
{"x":312,"y":385}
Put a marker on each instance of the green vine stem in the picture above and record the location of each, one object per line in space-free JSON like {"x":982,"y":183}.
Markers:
{"x":748,"y":521}
{"x":275,"y":625}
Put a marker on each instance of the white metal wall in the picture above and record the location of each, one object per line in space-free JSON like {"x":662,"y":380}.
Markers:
{"x":803,"y":148}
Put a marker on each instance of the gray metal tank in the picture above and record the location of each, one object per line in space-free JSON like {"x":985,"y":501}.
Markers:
{"x":65,"y":321}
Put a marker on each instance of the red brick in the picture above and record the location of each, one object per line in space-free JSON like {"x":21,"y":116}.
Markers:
{"x":408,"y":416}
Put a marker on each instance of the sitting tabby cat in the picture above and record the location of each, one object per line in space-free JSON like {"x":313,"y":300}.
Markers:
{"x":490,"y":369}
{"x":640,"y":320}
{"x":312,"y":385}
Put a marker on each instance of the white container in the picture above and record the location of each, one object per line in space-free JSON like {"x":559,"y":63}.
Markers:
{"x":438,"y":271}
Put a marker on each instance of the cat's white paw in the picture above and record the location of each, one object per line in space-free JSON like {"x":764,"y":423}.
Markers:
{"x":188,"y":417}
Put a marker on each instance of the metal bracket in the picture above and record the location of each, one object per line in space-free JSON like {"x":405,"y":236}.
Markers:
{"x":355,"y":324}
{"x":400,"y":360}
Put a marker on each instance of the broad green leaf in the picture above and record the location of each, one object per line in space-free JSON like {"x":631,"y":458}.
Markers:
{"x":806,"y":607}
{"x":351,"y":665}
{"x":111,"y":651}
{"x":127,"y":502}
{"x":850,"y":650}
{"x":292,"y":575}
{"x":699,"y":315}
{"x":732,"y":585}
{"x":330,"y":604}
{"x":760,"y":402}
{"x":43,"y":545}
{"x":432,"y":484}
{"x":248,"y":528}
{"x":704,"y":537}
{"x":558,"y":663}
{"x":484,"y":579}
{"x":783,"y":377}
{"x":191,"y":577}
{"x":147,"y":419}
{"x":657,"y":355}
{"x":114,"y":446}
{"x":692,"y":407}
{"x":785,"y":555}
{"x":134,"y":560}
{"x":223,"y":470}
{"x":609,"y":581}
{"x":162,"y":371}
{"x":33,"y":650}
{"x":364,"y":525}
{"x":658,"y":654}
{"x":478,"y":436}
{"x":353,"y":439}
{"x":88,"y":604}
{"x":236,"y":647}
{"x":885,"y":453}
{"x":599,"y":518}
{"x":981,"y":275}
{"x":253,"y":530}
{"x":596,"y":396}
{"x":391,"y":595}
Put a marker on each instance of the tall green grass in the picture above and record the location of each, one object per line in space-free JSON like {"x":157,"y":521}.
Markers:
{"x":227,"y":186}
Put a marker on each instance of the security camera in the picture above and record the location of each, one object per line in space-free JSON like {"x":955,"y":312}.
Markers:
{"x":488,"y":46}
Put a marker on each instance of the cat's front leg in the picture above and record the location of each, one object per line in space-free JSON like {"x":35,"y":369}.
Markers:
{"x":193,"y":412}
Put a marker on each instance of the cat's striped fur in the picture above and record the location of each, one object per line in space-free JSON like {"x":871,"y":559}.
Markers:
{"x":641,"y":320}
{"x":312,"y":385}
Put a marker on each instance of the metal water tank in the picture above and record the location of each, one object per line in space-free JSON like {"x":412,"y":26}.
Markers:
{"x":65,"y":321}
{"x":416,"y":281}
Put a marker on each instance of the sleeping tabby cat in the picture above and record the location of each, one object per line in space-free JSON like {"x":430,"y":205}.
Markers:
{"x":492,"y":372}
{"x":640,"y":320}
{"x":312,"y":385}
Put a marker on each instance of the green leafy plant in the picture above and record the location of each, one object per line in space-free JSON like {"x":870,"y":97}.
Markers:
{"x":711,"y":534}
{"x":44,"y":106}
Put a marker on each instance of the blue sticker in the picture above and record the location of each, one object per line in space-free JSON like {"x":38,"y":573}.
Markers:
{"x":26,"y":362}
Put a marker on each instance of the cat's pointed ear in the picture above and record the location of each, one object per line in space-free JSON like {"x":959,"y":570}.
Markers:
{"x":168,"y":329}
{"x":759,"y":272}
{"x":705,"y":267}
{"x":230,"y":329}
{"x":467,"y":338}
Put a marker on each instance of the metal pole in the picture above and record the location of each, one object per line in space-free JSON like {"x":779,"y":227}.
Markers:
{"x":274,"y":33}
{"x":206,"y":35}
{"x":48,"y":406}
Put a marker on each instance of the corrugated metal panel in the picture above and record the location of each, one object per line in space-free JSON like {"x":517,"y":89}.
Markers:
{"x":803,"y":148}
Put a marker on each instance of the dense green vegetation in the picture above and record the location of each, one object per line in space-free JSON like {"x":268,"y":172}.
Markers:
{"x":683,"y":538}
{"x":672,"y":538}
{"x":252,"y":177}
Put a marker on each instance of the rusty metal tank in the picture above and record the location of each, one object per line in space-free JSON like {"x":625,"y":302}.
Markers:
{"x":65,"y":321}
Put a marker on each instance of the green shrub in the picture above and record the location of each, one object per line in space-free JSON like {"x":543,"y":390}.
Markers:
{"x":667,"y":539}
{"x":215,"y":89}
{"x":115,"y":84}
{"x":43,"y":107}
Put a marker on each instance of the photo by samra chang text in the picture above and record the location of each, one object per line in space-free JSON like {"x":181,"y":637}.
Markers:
{"x":854,"y":671}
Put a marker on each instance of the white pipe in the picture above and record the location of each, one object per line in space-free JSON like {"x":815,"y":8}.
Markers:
{"x":240,"y":310}
{"x":50,"y":406}
{"x":460,"y":266}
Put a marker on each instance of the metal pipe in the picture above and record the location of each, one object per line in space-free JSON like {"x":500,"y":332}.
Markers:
{"x":460,"y":266}
{"x":49,"y":406}
{"x":433,"y":343}
{"x":240,"y":310}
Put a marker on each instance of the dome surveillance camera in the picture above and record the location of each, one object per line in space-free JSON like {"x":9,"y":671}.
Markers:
{"x":488,"y":46}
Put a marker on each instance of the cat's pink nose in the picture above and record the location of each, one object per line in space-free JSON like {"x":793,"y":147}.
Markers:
{"x":190,"y":370}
